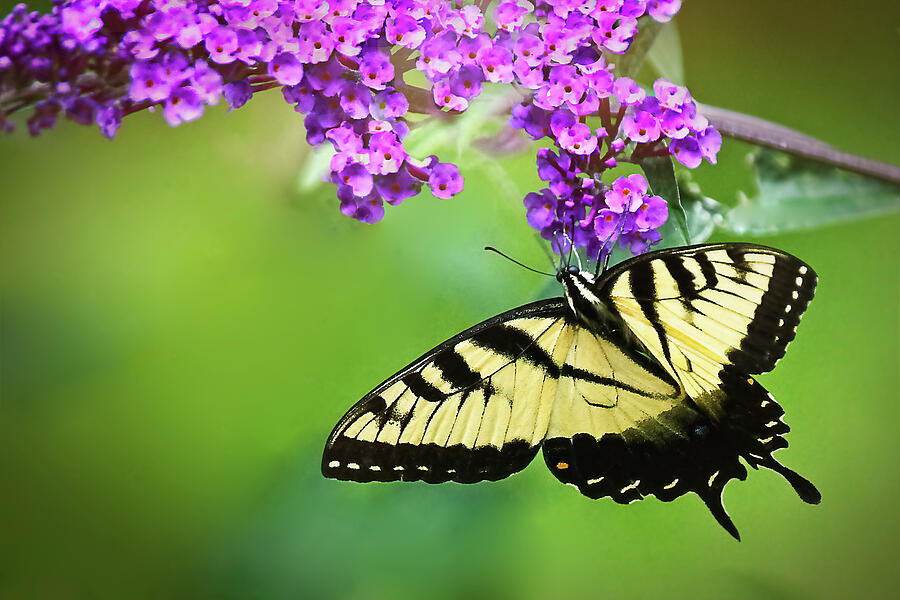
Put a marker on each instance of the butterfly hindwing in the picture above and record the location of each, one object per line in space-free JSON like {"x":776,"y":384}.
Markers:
{"x":474,"y":408}
{"x":709,"y":315}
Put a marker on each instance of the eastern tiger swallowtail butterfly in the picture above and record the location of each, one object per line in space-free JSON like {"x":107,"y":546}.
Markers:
{"x":634,"y":383}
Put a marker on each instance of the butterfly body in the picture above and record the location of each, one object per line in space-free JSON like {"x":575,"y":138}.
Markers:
{"x":634,"y":383}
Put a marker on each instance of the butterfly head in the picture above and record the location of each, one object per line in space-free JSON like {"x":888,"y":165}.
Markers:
{"x":566,"y":271}
{"x":578,"y":287}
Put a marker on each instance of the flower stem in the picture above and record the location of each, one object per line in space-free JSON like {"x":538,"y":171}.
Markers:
{"x":771,"y":135}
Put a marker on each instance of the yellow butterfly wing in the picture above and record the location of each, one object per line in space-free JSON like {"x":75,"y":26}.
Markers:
{"x":474,"y":408}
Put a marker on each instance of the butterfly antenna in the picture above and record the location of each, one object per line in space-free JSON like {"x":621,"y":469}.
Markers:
{"x":617,"y":229}
{"x":578,"y":260}
{"x":492,"y":249}
{"x":571,"y":242}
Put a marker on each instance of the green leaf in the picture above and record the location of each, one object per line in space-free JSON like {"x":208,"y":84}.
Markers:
{"x":703,"y":214}
{"x":628,"y":64}
{"x":794,"y":193}
{"x":486,"y":115}
{"x":665,"y":54}
{"x":660,"y":172}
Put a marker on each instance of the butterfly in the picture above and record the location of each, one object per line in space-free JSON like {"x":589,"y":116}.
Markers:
{"x":636,"y":382}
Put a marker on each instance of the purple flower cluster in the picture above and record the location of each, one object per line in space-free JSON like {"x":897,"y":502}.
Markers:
{"x":99,"y":60}
{"x":590,"y":214}
{"x":341,"y":63}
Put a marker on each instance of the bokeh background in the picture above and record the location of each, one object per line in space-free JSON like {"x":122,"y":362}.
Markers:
{"x":182,"y":327}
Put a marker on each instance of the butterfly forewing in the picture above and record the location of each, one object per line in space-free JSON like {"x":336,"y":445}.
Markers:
{"x":698,"y":309}
{"x":474,"y":408}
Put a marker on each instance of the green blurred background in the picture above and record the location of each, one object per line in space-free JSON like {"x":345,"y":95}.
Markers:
{"x":181,"y":328}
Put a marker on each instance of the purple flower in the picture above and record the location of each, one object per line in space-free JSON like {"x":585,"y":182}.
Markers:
{"x":148,"y":82}
{"x":608,"y":224}
{"x":444,"y":97}
{"x":140,"y":45}
{"x":248,"y":46}
{"x":355,"y":99}
{"x":376,"y":69}
{"x":43,"y":117}
{"x":670,"y":95}
{"x":108,"y":118}
{"x":347,"y":36}
{"x":466,"y":82}
{"x":315,"y":43}
{"x":641,"y":127}
{"x":396,"y":187}
{"x":686,"y":151}
{"x":286,"y":69}
{"x":438,"y":55}
{"x":662,"y":11}
{"x":445,"y":180}
{"x":470,"y":48}
{"x":207,"y":82}
{"x":534,"y":120}
{"x":651,"y":214}
{"x":509,"y":16}
{"x":559,"y":171}
{"x":632,"y":8}
{"x":300,"y":95}
{"x":673,"y":125}
{"x":710,"y":141}
{"x":386,"y":153}
{"x":345,"y":139}
{"x":588,"y":105}
{"x":305,"y":10}
{"x":221,"y":44}
{"x":333,"y":62}
{"x":559,"y":42}
{"x":638,"y":242}
{"x":370,"y":16}
{"x":560,"y":119}
{"x":326,"y":77}
{"x":184,"y":105}
{"x":389,"y":105}
{"x":80,"y":110}
{"x":564,"y":85}
{"x":357,"y":177}
{"x":540,"y":208}
{"x":497,"y":64}
{"x":627,"y":193}
{"x":405,"y":31}
{"x":627,"y":92}
{"x":237,"y":93}
{"x":577,"y":139}
{"x":530,"y":49}
{"x":473,"y":20}
{"x":81,"y":19}
{"x":367,"y":208}
{"x":614,"y":32}
{"x":528,"y":77}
